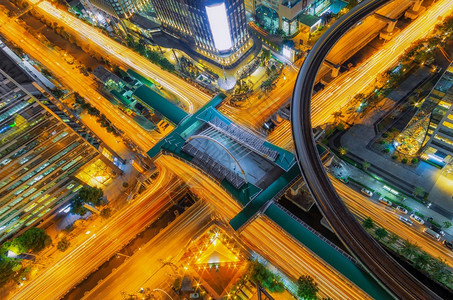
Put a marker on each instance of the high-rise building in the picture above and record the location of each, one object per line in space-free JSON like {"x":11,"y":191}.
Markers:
{"x":250,"y":6}
{"x":284,"y":14}
{"x":439,"y":138}
{"x":430,"y":131}
{"x":39,"y":152}
{"x":214,"y":28}
{"x":122,"y":8}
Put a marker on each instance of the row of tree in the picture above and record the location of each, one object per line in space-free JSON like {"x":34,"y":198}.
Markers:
{"x":421,"y":52}
{"x":307,"y":288}
{"x":153,"y":56}
{"x":100,"y":118}
{"x":436,"y":268}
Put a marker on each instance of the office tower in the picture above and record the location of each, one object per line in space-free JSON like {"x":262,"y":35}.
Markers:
{"x":39,"y":152}
{"x":439,"y":136}
{"x":214,"y":28}
{"x":430,"y":131}
{"x":284,"y":14}
{"x":249,"y":6}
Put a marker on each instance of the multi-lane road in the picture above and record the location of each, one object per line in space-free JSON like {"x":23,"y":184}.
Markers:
{"x":142,"y":269}
{"x":102,"y":243}
{"x":191,"y":97}
{"x":75,"y":81}
{"x":343,"y":89}
{"x":262,"y":236}
{"x":340,"y":91}
{"x":375,"y":259}
{"x":267,"y":239}
{"x":363,"y":207}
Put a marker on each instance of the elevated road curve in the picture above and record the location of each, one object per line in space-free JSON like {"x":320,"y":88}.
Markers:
{"x":397,"y":280}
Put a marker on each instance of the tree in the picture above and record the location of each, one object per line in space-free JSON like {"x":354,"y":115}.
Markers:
{"x":438,"y":269}
{"x":409,"y":249}
{"x":422,"y":260}
{"x":307,"y":287}
{"x":343,"y":150}
{"x":271,"y":282}
{"x":337,"y":116}
{"x":106,"y":212}
{"x":447,"y":224}
{"x":352,"y":3}
{"x":34,"y":239}
{"x":91,"y":195}
{"x":7,"y":267}
{"x":381,"y":233}
{"x":418,"y":191}
{"x":365,"y":165}
{"x":358,"y":98}
{"x":368,"y":223}
{"x":63,"y":244}
{"x":392,"y":239}
{"x":265,"y":56}
{"x":77,"y":207}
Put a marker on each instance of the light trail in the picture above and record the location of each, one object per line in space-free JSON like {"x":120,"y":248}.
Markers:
{"x":123,"y":56}
{"x":76,"y":81}
{"x":266,"y":238}
{"x":54,"y":281}
{"x":386,"y":217}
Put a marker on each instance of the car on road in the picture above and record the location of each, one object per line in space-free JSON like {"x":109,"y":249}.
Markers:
{"x":367,"y":192}
{"x":401,"y":209}
{"x":432,"y":233}
{"x":406,"y":220}
{"x":438,"y":230}
{"x":449,"y":245}
{"x":385,"y":201}
{"x":417,"y":219}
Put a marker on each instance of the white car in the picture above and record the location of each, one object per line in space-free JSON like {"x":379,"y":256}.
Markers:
{"x":401,"y":209}
{"x":385,"y":201}
{"x":417,"y":219}
{"x":367,"y":192}
{"x":406,"y":220}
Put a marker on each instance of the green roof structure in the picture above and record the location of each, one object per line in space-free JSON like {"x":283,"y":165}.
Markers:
{"x":155,"y":101}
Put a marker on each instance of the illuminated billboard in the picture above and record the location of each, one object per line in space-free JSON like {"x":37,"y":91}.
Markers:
{"x":218,"y":22}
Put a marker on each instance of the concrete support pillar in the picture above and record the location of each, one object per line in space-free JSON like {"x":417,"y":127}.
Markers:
{"x":391,"y":26}
{"x":417,"y":5}
{"x":335,"y":71}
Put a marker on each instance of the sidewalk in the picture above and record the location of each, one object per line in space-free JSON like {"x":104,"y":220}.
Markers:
{"x":364,"y":179}
{"x":384,"y":172}
{"x":358,"y":137}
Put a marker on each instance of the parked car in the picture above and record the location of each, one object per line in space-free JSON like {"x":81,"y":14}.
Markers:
{"x":406,"y":220}
{"x":342,"y":179}
{"x":269,"y":125}
{"x":438,"y":230}
{"x":448,"y":245}
{"x":401,"y":209}
{"x":385,"y":201}
{"x":417,"y":219}
{"x":367,"y":192}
